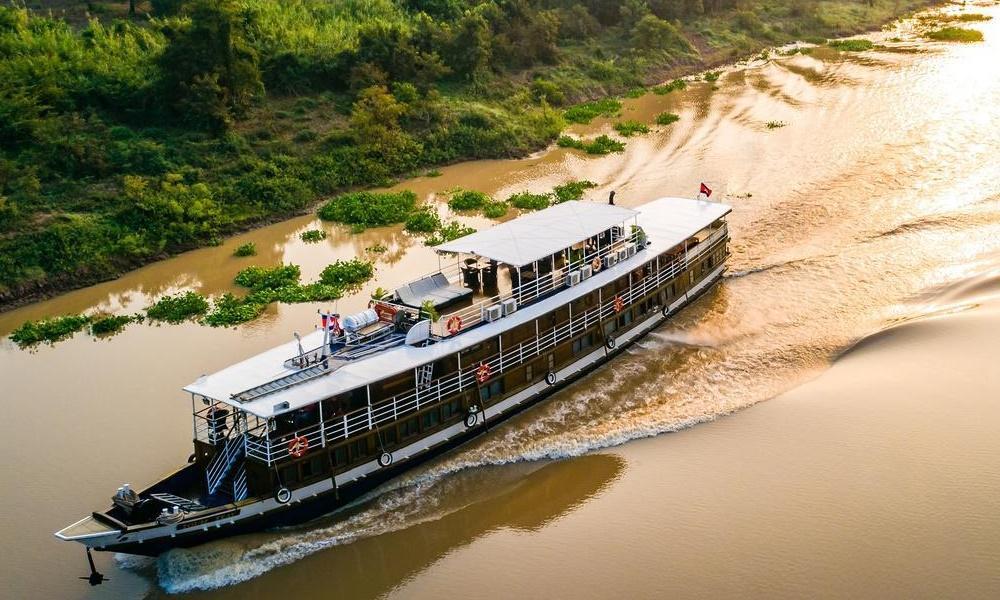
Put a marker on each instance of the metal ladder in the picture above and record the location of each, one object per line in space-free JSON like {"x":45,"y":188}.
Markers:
{"x":283,"y":383}
{"x":182,"y":503}
{"x":424,"y":375}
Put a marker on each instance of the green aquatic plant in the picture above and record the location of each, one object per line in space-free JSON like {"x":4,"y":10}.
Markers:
{"x":600,"y":145}
{"x":270,"y":278}
{"x":713,"y":76}
{"x":588,"y":111}
{"x":467,"y":200}
{"x":104,"y":325}
{"x":852,"y":45}
{"x":495,"y":209}
{"x":247,"y":249}
{"x":529,"y":201}
{"x":178,"y":307}
{"x":775,"y":124}
{"x":425,"y":220}
{"x":369,"y":209}
{"x":312,"y":236}
{"x":347,"y":274}
{"x":956,"y":34}
{"x":571,"y":190}
{"x":229,"y":310}
{"x":377,"y":249}
{"x":448,"y":232}
{"x":666,"y":118}
{"x":674,"y":86}
{"x":52,"y":329}
{"x":630,"y":128}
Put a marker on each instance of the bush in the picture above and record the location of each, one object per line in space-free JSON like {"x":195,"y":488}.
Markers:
{"x":468,"y":200}
{"x":667,"y":118}
{"x":312,"y":236}
{"x":775,"y":124}
{"x":425,"y":220}
{"x":713,"y":76}
{"x":543,"y":89}
{"x":52,"y":329}
{"x":653,"y":33}
{"x":369,"y":209}
{"x":448,"y":232}
{"x":956,"y":34}
{"x":630,"y":128}
{"x":528,"y":201}
{"x":495,"y":210}
{"x":247,"y":249}
{"x":851,"y":45}
{"x":268,"y":278}
{"x":347,"y":273}
{"x":572,"y":190}
{"x":177,"y":308}
{"x":588,"y":111}
{"x":111,"y":324}
{"x":600,"y":145}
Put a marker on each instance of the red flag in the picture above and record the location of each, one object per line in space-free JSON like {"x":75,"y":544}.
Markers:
{"x":705,"y":190}
{"x":323,"y":317}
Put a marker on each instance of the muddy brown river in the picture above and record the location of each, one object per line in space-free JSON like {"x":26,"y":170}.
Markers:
{"x":872,"y":215}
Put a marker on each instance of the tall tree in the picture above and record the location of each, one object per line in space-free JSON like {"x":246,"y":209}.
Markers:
{"x":209,"y":70}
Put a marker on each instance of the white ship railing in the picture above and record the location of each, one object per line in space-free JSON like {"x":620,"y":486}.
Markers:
{"x":335,"y":430}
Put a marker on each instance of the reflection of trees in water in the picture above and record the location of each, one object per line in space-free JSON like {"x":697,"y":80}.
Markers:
{"x":523,"y":496}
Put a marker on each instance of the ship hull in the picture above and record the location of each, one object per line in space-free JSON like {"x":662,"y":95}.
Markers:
{"x":306,"y":508}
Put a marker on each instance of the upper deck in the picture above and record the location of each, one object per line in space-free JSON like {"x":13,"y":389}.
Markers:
{"x":665,"y":223}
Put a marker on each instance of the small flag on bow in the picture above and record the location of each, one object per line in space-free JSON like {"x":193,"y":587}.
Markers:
{"x":705,"y":190}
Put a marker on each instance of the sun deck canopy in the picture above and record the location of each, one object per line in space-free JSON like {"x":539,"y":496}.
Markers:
{"x":539,"y":235}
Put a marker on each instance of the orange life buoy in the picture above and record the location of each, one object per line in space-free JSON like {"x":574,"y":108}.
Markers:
{"x":454,"y":324}
{"x":483,"y":373}
{"x":596,"y":264}
{"x":619,"y":304}
{"x":298,"y":446}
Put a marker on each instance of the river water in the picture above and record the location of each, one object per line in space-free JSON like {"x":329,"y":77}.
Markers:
{"x":876,"y":201}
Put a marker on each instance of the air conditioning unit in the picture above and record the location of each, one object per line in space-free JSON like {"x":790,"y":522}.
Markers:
{"x":610,"y":261}
{"x":630,"y":251}
{"x":572,"y":278}
{"x":622,"y":255}
{"x":586,"y":271}
{"x":492,"y":313}
{"x":509,"y":306}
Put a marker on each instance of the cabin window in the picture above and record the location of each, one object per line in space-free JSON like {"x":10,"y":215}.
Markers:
{"x":451,"y":409}
{"x":583,"y":343}
{"x":529,"y":373}
{"x":313,"y":467}
{"x":610,"y":327}
{"x":340,"y":456}
{"x":290,"y":475}
{"x":409,"y":428}
{"x":624,"y":318}
{"x":492,"y":390}
{"x":388,"y":435}
{"x":430,"y":419}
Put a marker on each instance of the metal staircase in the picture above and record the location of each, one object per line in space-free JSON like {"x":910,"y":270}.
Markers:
{"x":424,"y":375}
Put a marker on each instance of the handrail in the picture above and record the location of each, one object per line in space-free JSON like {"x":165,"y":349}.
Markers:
{"x":392,"y":409}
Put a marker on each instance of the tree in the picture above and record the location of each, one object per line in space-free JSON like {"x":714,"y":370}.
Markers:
{"x":209,"y":70}
{"x":653,"y":33}
{"x":470,"y":50}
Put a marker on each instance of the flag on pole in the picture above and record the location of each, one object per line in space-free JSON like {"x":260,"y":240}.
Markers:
{"x":705,"y":190}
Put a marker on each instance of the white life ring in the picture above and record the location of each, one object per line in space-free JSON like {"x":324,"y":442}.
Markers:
{"x":283,"y":495}
{"x":550,"y":378}
{"x":472,"y":418}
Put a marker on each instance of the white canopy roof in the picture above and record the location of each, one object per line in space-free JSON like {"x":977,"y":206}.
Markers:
{"x":538,"y":235}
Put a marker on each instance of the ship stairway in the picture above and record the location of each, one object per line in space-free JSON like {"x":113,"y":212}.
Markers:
{"x":220,"y":470}
{"x":181,"y":503}
{"x":424,"y":375}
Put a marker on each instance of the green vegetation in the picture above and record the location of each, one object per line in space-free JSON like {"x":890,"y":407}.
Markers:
{"x":467,"y":200}
{"x":956,"y":34}
{"x":268,"y":278}
{"x":853,"y":45}
{"x":630,"y":128}
{"x":448,"y":232}
{"x":713,"y":76}
{"x":572,"y":190}
{"x":126,"y":140}
{"x":52,"y":329}
{"x":528,"y":201}
{"x":674,"y":86}
{"x":369,"y":209}
{"x":347,"y":274}
{"x":588,"y":111}
{"x":247,"y":249}
{"x":775,"y":124}
{"x":229,"y":310}
{"x":600,"y":145}
{"x":425,"y":220}
{"x":960,"y":18}
{"x":177,"y":308}
{"x":377,"y":249}
{"x":107,"y":325}
{"x":495,"y":209}
{"x":312,"y":236}
{"x":428,"y":310}
{"x":667,"y":118}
